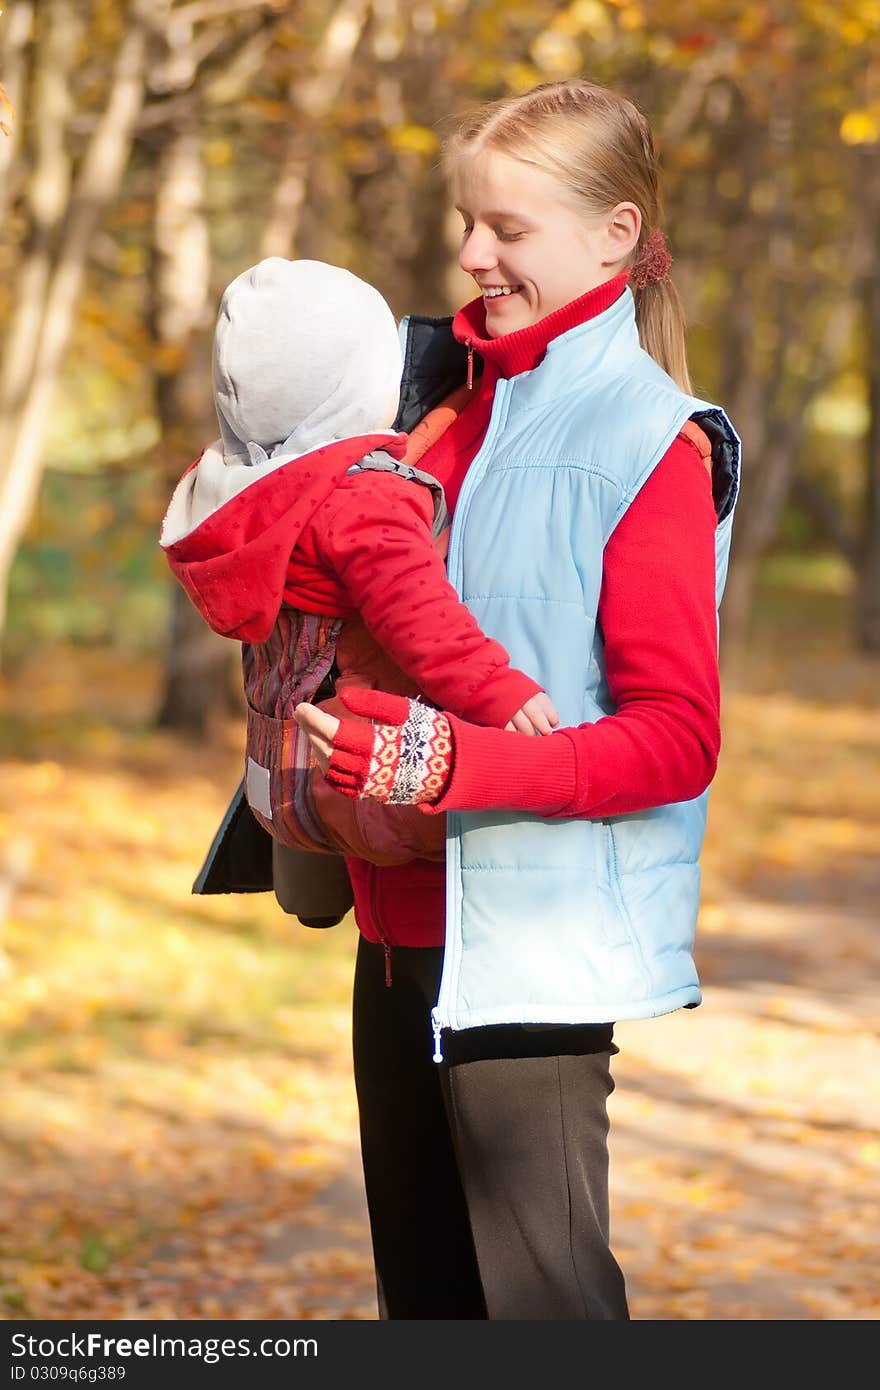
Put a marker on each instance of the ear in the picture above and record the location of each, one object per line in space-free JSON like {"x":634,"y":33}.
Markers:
{"x":622,"y":232}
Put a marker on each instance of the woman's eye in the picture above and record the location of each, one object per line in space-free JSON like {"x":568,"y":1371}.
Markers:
{"x":508,"y":236}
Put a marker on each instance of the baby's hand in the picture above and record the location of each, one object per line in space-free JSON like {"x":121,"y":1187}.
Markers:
{"x":537,"y":716}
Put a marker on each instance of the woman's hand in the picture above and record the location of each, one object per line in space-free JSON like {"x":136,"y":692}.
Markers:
{"x":396,"y":750}
{"x":321,"y":729}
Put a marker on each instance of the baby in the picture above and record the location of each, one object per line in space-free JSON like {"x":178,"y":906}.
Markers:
{"x":306,"y":533}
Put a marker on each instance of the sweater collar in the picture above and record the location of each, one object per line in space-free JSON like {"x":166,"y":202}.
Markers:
{"x":524,"y":349}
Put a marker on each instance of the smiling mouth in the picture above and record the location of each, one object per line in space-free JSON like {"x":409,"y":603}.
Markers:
{"x":499,"y":291}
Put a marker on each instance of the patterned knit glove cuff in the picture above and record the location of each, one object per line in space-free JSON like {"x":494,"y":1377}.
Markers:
{"x":410,"y":762}
{"x":397,"y":750}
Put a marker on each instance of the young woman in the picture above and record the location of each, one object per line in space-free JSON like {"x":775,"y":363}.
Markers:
{"x":592,"y":499}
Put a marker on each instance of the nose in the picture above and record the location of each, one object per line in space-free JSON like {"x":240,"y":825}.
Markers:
{"x":477,"y":252}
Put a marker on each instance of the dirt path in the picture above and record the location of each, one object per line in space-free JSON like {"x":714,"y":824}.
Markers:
{"x":178,"y":1132}
{"x":747,"y":1133}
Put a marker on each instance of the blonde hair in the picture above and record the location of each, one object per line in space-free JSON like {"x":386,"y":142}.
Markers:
{"x":599,"y":145}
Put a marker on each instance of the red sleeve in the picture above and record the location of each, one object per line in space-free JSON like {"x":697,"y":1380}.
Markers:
{"x":377,"y":539}
{"x":658,"y":616}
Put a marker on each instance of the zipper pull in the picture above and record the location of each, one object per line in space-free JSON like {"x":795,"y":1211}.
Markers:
{"x":438,"y":1055}
{"x":470,"y":366}
{"x":387,"y":965}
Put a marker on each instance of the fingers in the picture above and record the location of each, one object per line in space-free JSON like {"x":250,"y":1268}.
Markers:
{"x":542,"y":712}
{"x":375,"y":704}
{"x":537,"y":716}
{"x":321,"y":752}
{"x":321,"y":729}
{"x":316,"y":722}
{"x":521,"y":723}
{"x":342,"y":749}
{"x":541,"y":723}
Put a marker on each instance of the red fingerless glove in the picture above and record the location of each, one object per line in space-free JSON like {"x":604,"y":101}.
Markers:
{"x":403,"y":757}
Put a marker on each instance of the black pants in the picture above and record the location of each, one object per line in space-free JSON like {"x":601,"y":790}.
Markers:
{"x":486,"y":1175}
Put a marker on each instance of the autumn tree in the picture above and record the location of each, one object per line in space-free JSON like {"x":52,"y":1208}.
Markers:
{"x":261,"y":128}
{"x":83,"y":72}
{"x":60,"y":199}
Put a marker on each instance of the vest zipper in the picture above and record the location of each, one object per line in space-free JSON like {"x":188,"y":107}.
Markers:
{"x":470,"y":364}
{"x":500,"y":409}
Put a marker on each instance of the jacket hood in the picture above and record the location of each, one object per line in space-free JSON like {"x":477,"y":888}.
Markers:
{"x":304,"y":353}
{"x":307,"y":364}
{"x":231,"y":526}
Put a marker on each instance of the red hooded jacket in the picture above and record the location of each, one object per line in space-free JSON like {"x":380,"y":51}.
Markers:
{"x":244,"y":540}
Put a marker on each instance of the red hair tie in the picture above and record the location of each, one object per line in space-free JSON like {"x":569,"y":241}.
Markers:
{"x":654,"y":261}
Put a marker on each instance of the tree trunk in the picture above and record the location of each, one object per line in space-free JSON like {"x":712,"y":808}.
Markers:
{"x":49,"y":286}
{"x":14,"y":38}
{"x":313,"y":96}
{"x":288,"y":196}
{"x":744,"y":395}
{"x":199,"y":668}
{"x":868,"y":587}
{"x":771,"y":408}
{"x":197,"y":660}
{"x":760,"y":399}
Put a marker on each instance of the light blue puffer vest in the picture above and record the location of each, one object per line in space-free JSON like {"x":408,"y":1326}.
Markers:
{"x":571,"y":921}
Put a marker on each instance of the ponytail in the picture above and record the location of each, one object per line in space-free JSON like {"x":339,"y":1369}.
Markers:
{"x":661,"y":323}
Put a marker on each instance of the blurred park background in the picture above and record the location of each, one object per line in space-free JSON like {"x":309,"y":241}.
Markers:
{"x":178,"y":1128}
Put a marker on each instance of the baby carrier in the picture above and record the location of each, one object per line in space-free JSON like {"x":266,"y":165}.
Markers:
{"x":306,"y":657}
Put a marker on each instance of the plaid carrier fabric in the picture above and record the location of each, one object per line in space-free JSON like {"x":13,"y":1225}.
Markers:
{"x":278,"y":675}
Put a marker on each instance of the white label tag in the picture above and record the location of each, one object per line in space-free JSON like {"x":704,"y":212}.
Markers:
{"x":256,"y":788}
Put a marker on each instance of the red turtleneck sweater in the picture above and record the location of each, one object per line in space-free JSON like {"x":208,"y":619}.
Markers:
{"x":658,"y":618}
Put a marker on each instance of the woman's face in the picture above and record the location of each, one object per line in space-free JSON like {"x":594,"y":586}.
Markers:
{"x":529,"y":250}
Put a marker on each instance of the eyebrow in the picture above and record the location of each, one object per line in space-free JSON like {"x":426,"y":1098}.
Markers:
{"x":500,"y":213}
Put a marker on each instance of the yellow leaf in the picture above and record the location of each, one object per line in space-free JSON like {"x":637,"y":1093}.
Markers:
{"x":632,"y":17}
{"x":860,"y":127}
{"x":699,"y":1195}
{"x":590,"y":17}
{"x":414,"y":139}
{"x":519,"y":77}
{"x":131,"y":260}
{"x":854,"y":31}
{"x":276,"y":112}
{"x":556,"y":54}
{"x":217,"y":153}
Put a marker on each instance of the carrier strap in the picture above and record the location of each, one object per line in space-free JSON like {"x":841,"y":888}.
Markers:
{"x":380,"y":462}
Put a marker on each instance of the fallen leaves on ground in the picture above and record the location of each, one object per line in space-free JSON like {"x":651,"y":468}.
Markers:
{"x":179,"y":1125}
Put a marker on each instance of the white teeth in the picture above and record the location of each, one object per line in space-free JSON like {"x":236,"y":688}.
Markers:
{"x":493,"y":291}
